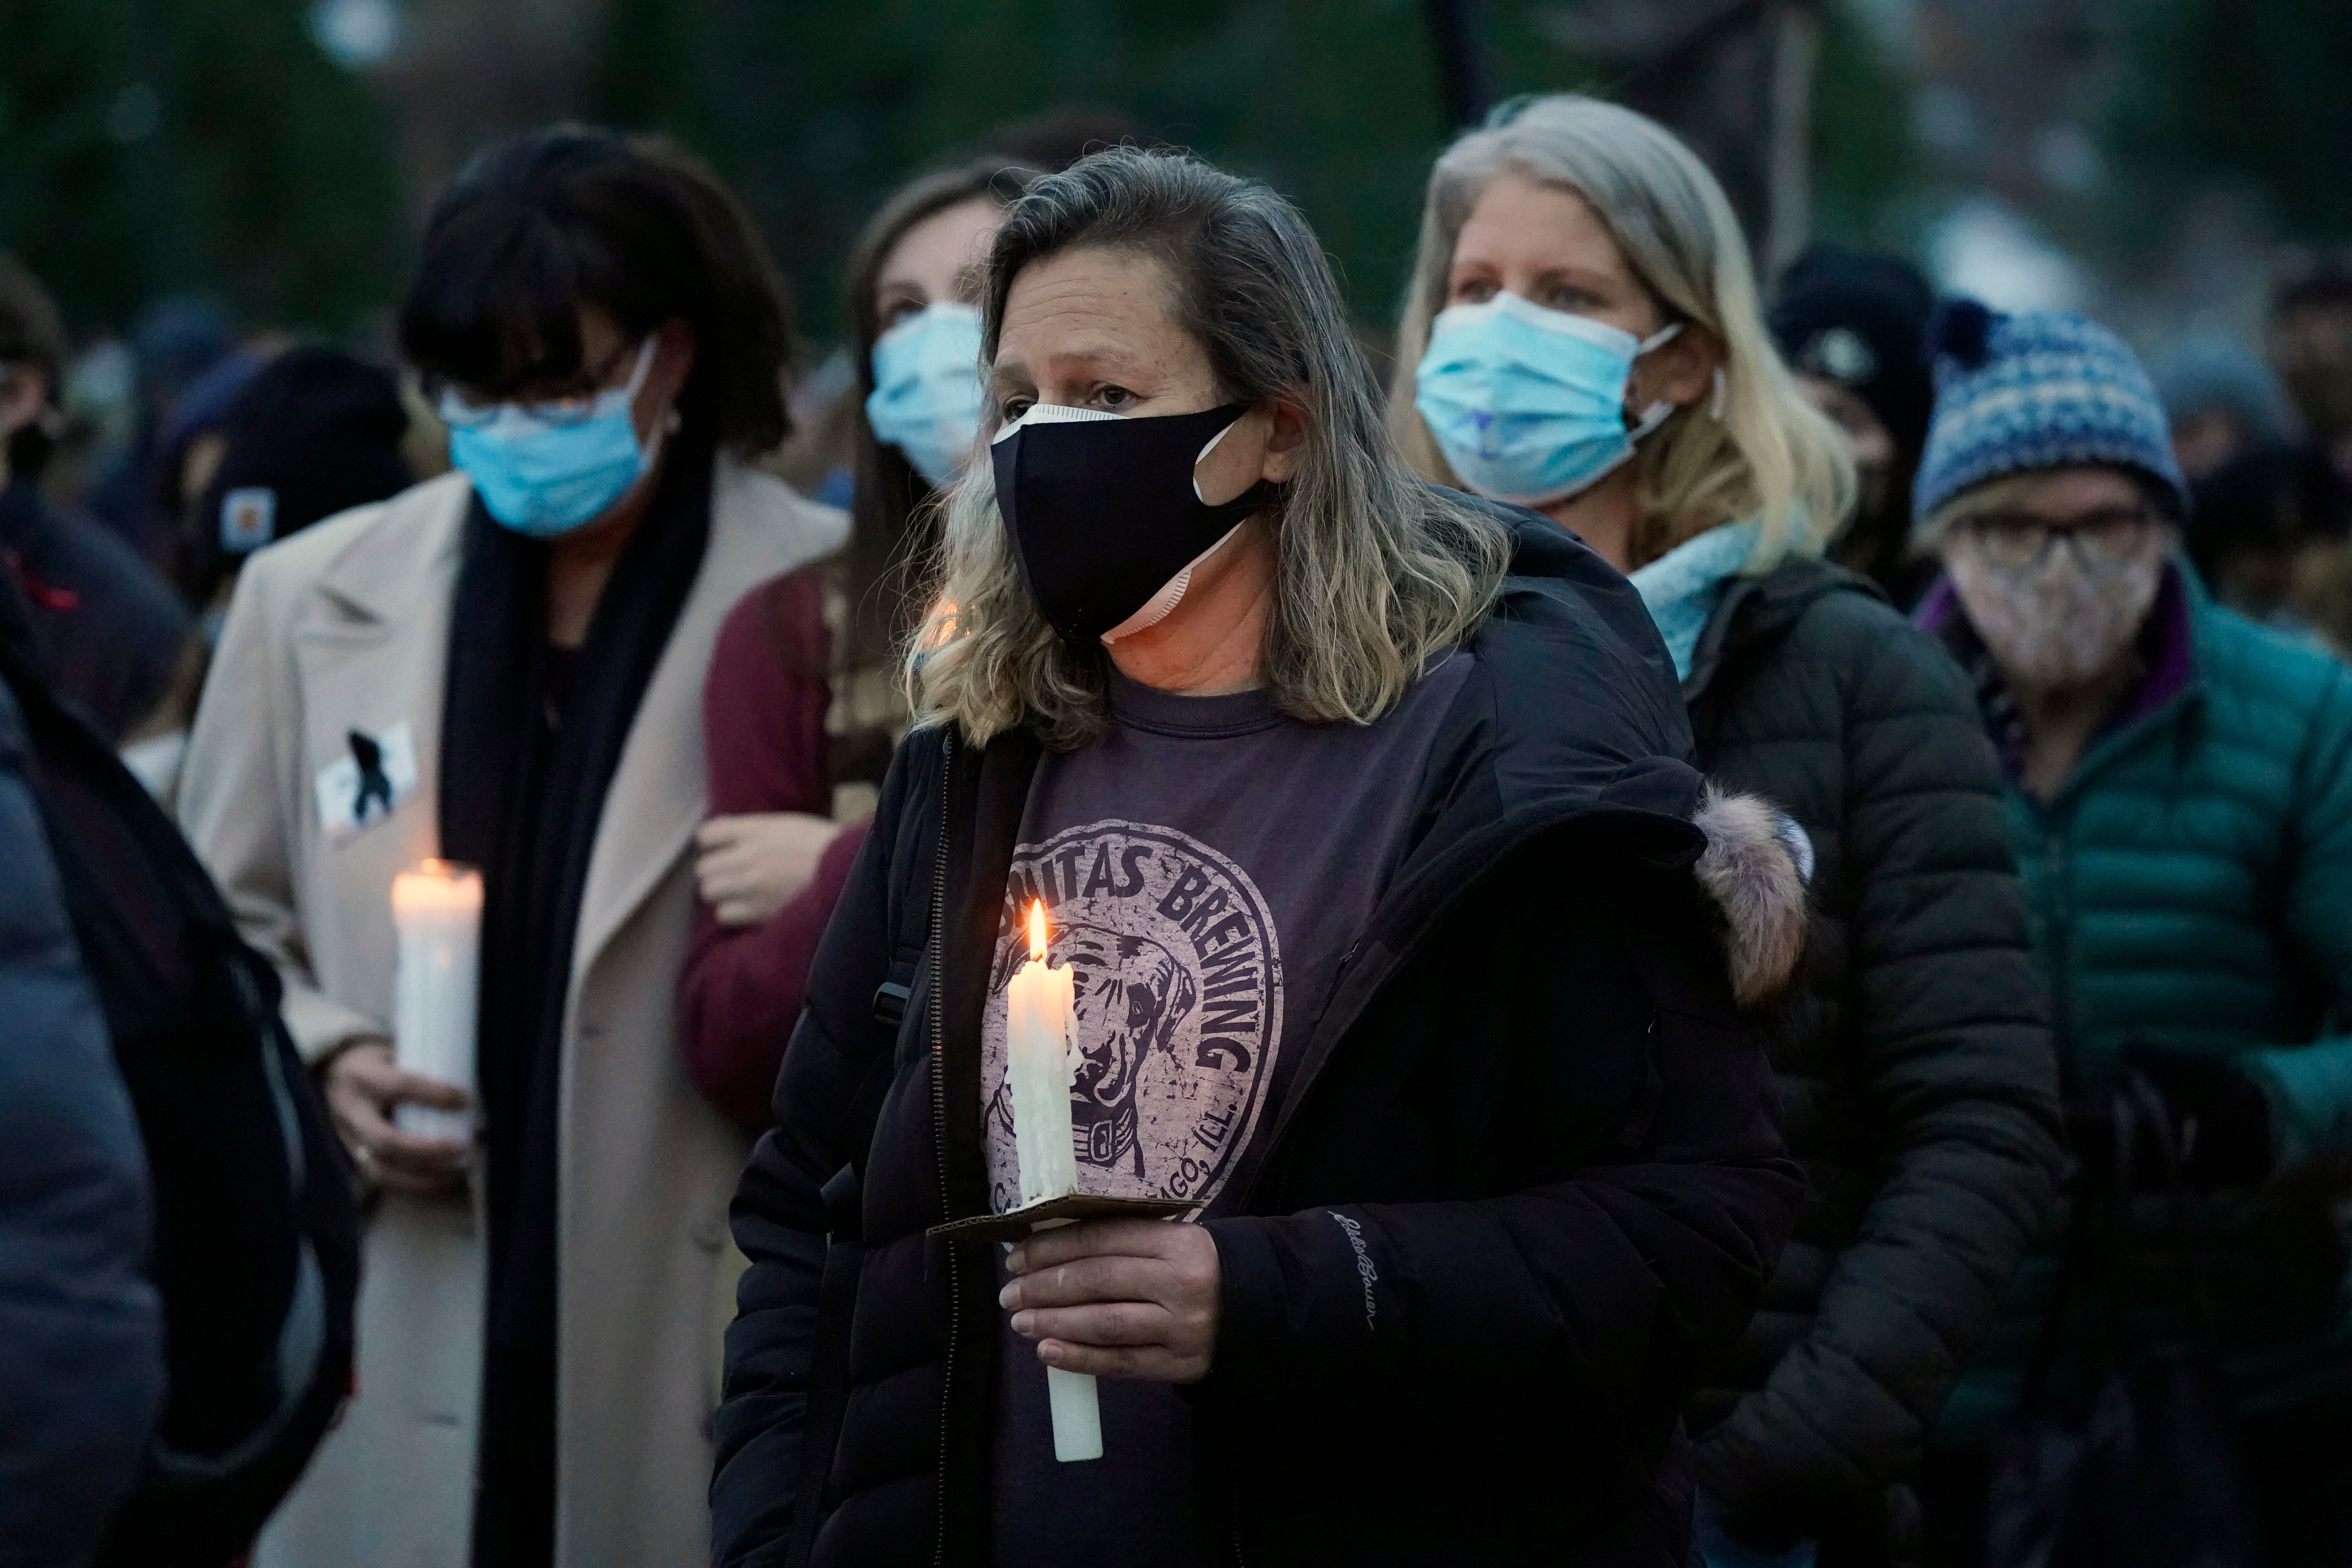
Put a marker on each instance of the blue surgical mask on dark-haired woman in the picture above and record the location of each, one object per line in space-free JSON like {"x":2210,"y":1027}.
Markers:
{"x":545,"y":469}
{"x":1529,"y":405}
{"x":926,"y":396}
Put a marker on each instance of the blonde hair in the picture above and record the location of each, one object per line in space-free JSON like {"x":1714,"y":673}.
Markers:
{"x":1768,"y":455}
{"x":1375,"y":573}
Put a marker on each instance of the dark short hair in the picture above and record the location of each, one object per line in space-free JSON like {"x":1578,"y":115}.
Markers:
{"x":1055,"y":140}
{"x":2327,"y":288}
{"x":31,"y":333}
{"x":539,"y":224}
{"x":30,"y":330}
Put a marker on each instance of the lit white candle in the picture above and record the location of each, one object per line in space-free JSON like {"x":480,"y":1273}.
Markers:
{"x":436,"y":912}
{"x":1040,"y":1017}
{"x":1040,"y":1027}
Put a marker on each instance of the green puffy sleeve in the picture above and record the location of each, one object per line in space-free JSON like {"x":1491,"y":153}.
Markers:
{"x":2310,"y":1085}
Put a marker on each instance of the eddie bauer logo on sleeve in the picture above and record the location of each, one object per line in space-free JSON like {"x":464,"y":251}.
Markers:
{"x":1364,"y":1269}
{"x":1179,"y":1003}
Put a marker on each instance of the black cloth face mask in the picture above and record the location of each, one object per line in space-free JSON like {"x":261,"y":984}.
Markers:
{"x":1103,"y":512}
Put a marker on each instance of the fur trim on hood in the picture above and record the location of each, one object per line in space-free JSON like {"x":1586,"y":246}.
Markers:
{"x":1755,"y":868}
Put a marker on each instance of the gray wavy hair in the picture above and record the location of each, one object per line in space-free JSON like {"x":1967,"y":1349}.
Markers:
{"x":1375,"y":572}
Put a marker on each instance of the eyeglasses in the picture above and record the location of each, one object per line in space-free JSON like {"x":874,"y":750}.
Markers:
{"x":2016,"y":541}
{"x":460,"y":412}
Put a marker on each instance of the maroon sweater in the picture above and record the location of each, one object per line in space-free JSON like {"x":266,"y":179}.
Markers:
{"x":763,"y":708}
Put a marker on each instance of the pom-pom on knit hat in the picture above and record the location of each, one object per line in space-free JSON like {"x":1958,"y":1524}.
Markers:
{"x":2043,"y":389}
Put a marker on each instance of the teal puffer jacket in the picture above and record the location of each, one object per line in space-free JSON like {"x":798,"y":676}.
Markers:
{"x":2192,"y":886}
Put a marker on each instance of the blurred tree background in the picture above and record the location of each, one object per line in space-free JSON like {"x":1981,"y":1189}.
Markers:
{"x":149,"y":147}
{"x":2212,"y":94}
{"x":816,"y":111}
{"x":278,"y":154}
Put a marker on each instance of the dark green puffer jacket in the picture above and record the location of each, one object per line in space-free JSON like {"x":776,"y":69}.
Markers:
{"x":2192,"y":886}
{"x":1916,"y":1070}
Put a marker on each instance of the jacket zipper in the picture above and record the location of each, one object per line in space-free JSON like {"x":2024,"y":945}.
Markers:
{"x":940,"y":1110}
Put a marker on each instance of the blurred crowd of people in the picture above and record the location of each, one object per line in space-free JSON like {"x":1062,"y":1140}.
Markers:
{"x":1724,"y":913}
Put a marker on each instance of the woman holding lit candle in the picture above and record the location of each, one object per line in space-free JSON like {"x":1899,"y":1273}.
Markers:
{"x":502,"y":668}
{"x":1582,"y":336}
{"x":1358,"y":816}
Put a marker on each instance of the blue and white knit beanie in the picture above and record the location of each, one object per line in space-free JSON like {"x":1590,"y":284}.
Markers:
{"x":2044,"y":389}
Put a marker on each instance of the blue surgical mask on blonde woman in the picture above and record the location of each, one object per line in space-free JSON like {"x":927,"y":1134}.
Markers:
{"x":1633,"y":396}
{"x":1542,"y":246}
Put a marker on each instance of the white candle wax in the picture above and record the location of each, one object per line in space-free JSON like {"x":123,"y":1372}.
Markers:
{"x":1076,"y":1407}
{"x":1040,"y":1028}
{"x":1040,"y":1018}
{"x":436,"y":913}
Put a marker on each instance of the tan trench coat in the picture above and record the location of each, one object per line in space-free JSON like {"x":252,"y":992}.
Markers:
{"x":345,"y":625}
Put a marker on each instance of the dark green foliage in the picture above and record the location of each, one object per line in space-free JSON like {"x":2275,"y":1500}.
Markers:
{"x":1864,"y":160}
{"x":149,"y":146}
{"x":817,"y":111}
{"x":2230,"y":93}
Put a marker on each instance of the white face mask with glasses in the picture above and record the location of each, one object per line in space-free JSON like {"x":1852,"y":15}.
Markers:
{"x":2057,"y":603}
{"x":545,"y":468}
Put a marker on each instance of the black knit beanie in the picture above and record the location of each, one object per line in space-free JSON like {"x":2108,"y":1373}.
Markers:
{"x":1860,"y":319}
{"x":313,"y":433}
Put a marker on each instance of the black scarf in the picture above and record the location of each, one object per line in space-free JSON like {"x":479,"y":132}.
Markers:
{"x":530,"y":737}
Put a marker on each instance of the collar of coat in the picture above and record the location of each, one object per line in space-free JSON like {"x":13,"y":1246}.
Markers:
{"x":391,"y":581}
{"x":1755,"y":610}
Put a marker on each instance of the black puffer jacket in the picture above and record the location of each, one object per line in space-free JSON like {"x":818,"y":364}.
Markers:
{"x":1916,"y":1070}
{"x":1532,"y":1097}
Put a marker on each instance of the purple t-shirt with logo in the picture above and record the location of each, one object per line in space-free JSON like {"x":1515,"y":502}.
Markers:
{"x":1204,"y":869}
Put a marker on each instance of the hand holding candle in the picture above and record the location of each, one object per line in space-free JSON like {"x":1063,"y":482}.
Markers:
{"x":1118,"y":1297}
{"x":364,"y":1092}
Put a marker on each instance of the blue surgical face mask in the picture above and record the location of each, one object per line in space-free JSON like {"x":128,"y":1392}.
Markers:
{"x":1529,"y":405}
{"x":546,"y":469}
{"x":926,"y":397}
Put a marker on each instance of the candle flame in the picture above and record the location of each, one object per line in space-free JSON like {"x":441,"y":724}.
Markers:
{"x":1037,"y":929}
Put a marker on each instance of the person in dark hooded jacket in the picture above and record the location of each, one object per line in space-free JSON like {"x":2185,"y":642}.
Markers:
{"x":1915,"y":1066}
{"x":81,"y":1331}
{"x":1406,"y":950}
{"x":104,"y":627}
